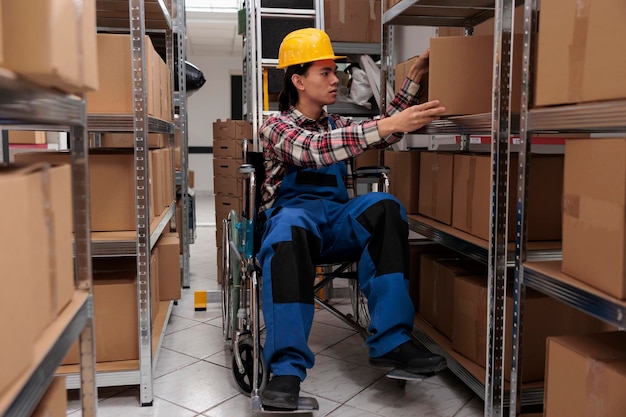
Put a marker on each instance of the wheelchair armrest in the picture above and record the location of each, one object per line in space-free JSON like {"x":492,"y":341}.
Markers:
{"x":372,"y":171}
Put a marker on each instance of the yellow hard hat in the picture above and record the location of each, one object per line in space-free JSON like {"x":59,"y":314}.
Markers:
{"x":305,"y":45}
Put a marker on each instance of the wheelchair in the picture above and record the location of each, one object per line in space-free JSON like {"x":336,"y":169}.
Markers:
{"x":241,"y":280}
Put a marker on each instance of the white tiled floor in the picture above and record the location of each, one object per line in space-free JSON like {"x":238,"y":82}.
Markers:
{"x":193,"y":376}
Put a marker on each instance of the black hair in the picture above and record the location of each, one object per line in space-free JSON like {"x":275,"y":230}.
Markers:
{"x":289,"y":95}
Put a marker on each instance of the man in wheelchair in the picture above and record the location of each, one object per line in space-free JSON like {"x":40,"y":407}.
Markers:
{"x":311,"y":216}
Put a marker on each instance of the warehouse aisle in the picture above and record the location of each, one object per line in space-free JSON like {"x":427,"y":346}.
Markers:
{"x":193,"y":377}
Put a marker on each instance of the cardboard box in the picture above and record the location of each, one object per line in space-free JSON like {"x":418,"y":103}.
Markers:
{"x":54,"y":401}
{"x":470,"y":325}
{"x":232,"y":129}
{"x":472,"y":196}
{"x":29,"y":137}
{"x":352,"y":20}
{"x":228,"y":148}
{"x":225,"y":167}
{"x":460,"y":74}
{"x":400,"y":74}
{"x":404,"y":177}
{"x":127,"y":140}
{"x":1,"y":41}
{"x":416,"y":250}
{"x":577,"y":58}
{"x":111,"y":185}
{"x":437,"y":279}
{"x":20,"y":241}
{"x":435,"y":186}
{"x":369,"y":158}
{"x":388,"y":4}
{"x":169,"y":267}
{"x":115,"y":95}
{"x":49,"y":54}
{"x":594,"y":213}
{"x":586,"y":376}
{"x":228,"y":185}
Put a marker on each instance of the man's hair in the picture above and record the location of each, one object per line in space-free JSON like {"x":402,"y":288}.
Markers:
{"x":289,"y":95}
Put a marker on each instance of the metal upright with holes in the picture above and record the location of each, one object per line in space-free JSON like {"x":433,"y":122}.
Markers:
{"x":499,"y":125}
{"x":23,"y":104}
{"x":601,"y":117}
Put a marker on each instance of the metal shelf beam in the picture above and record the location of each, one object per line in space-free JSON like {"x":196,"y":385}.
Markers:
{"x":458,"y":13}
{"x":601,"y":117}
{"x":124,"y":123}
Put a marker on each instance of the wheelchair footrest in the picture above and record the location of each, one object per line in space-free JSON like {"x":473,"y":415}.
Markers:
{"x":305,"y":405}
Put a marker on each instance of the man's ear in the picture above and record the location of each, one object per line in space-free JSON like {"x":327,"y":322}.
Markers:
{"x":297,"y":81}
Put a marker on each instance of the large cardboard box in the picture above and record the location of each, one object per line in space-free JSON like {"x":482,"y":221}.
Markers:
{"x":111,"y":185}
{"x":352,"y":20}
{"x":472,"y":190}
{"x":438,"y":274}
{"x":29,"y":137}
{"x":579,"y":55}
{"x":54,"y":401}
{"x":400,"y":73}
{"x":435,"y":186}
{"x":169,"y":267}
{"x":461,"y":74}
{"x":115,"y":95}
{"x":470,"y":325}
{"x":404,"y":177}
{"x":127,"y":140}
{"x":228,"y":148}
{"x":232,"y":129}
{"x":20,"y":241}
{"x":586,"y":376}
{"x":418,"y":248}
{"x":52,"y":42}
{"x":594,"y":213}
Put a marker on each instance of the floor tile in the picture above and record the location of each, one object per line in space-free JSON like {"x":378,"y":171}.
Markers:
{"x":473,"y":408}
{"x":347,"y":411}
{"x":198,"y":387}
{"x":170,"y":361}
{"x":198,"y":341}
{"x":387,"y":399}
{"x":324,"y":336}
{"x":126,"y":404}
{"x":351,"y":349}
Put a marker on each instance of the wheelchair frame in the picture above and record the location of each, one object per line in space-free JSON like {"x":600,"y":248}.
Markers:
{"x":241,"y":287}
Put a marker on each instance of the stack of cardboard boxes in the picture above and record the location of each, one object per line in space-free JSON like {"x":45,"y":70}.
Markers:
{"x":228,"y":138}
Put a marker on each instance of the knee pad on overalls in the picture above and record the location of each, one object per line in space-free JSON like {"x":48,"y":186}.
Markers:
{"x":388,"y":246}
{"x":293,"y":267}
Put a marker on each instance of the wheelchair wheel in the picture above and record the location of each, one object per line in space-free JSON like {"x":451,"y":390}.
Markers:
{"x":244,"y":380}
{"x":359,"y":305}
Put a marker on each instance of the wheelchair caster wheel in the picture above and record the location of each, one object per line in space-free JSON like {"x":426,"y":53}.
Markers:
{"x":244,"y":380}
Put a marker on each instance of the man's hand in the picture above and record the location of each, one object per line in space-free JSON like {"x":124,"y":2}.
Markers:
{"x":419,"y":67}
{"x":411,"y":118}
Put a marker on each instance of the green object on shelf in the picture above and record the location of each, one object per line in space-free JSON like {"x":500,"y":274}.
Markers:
{"x":241,"y":21}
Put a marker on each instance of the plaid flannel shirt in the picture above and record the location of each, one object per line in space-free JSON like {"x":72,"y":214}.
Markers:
{"x":291,"y":138}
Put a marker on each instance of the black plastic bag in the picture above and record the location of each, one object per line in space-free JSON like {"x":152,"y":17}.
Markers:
{"x":194,"y":78}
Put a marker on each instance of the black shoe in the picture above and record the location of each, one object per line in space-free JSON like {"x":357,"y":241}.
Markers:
{"x":411,"y":358}
{"x":281,"y":393}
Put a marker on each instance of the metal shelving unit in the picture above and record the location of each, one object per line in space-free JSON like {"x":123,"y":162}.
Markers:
{"x":139,"y":17}
{"x":546,"y":277}
{"x":24,"y":104}
{"x":498,"y":124}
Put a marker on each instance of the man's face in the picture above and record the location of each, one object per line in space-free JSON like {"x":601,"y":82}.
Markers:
{"x":320,"y":82}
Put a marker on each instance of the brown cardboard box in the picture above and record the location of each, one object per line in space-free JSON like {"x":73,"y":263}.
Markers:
{"x":54,"y":401}
{"x":29,"y":137}
{"x":21,"y":231}
{"x":436,"y":291}
{"x":127,"y":140}
{"x":49,"y":54}
{"x":369,"y":158}
{"x":352,"y":20}
{"x":169,"y":267}
{"x":1,"y":41}
{"x":472,"y":190}
{"x":404,"y":177}
{"x":400,"y":74}
{"x":461,"y":75}
{"x":470,"y":325}
{"x":191,"y":178}
{"x":228,"y":148}
{"x":594,"y":213}
{"x":111,"y":183}
{"x":390,"y":3}
{"x":577,"y":58}
{"x":226,"y":167}
{"x":115,"y":95}
{"x":586,"y":376}
{"x":60,"y":194}
{"x":228,"y":185}
{"x":435,"y":186}
{"x":232,"y":129}
{"x":416,"y":250}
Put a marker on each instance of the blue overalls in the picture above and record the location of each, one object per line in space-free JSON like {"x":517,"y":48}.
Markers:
{"x":313,"y":221}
